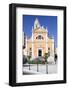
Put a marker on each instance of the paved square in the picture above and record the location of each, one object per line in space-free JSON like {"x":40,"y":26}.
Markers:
{"x":40,"y":69}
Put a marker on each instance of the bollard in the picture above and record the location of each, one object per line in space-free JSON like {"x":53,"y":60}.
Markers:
{"x":37,"y":67}
{"x":46,"y":68}
{"x":29,"y":66}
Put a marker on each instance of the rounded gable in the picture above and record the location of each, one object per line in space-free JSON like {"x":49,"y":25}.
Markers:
{"x":39,"y":30}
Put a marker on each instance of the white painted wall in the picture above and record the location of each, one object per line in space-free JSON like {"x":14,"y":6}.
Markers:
{"x":52,"y":49}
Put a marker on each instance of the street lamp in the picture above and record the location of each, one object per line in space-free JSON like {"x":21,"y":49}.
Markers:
{"x":29,"y":61}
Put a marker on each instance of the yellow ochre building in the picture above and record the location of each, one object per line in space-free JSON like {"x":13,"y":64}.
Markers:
{"x":39,"y":43}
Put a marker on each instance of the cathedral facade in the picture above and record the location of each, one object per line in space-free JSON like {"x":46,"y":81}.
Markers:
{"x":39,"y":43}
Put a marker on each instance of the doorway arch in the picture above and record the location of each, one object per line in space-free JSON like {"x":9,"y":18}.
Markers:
{"x":39,"y":52}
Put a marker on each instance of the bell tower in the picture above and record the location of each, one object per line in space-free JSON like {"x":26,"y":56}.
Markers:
{"x":36,"y":24}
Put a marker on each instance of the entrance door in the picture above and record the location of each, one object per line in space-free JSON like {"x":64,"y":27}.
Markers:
{"x":39,"y":52}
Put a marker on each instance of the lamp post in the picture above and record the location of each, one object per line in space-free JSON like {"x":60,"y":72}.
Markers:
{"x":46,"y":56}
{"x":47,"y":68}
{"x":29,"y":61}
{"x":37,"y":66}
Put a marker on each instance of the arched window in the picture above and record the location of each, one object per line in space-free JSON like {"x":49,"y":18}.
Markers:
{"x":39,"y":37}
{"x":36,"y":37}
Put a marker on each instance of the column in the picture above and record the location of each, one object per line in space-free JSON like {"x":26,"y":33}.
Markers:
{"x":32,"y":44}
{"x":46,"y":41}
{"x":52,"y":51}
{"x":26,"y":47}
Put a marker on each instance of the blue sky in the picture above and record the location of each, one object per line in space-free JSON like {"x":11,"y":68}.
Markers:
{"x":47,"y":21}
